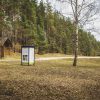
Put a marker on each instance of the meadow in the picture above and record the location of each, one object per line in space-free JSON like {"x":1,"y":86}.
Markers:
{"x":50,"y":80}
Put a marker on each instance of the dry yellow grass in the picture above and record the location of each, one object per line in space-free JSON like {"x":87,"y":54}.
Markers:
{"x":50,"y":80}
{"x":52,"y":55}
{"x":18,"y":55}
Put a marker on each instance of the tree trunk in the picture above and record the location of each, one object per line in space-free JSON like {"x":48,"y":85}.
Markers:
{"x":76,"y":34}
{"x":76,"y":47}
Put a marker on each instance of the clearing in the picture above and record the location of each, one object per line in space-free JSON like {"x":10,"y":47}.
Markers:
{"x":49,"y":56}
{"x":50,"y":80}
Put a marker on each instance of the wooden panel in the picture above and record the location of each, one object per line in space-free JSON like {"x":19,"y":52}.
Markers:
{"x":7,"y":51}
{"x":1,"y":51}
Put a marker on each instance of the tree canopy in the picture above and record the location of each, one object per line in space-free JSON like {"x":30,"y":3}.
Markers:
{"x":28,"y":23}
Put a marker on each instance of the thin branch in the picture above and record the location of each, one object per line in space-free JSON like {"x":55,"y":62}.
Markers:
{"x":79,"y":13}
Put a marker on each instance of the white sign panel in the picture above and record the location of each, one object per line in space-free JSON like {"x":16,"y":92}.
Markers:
{"x":25,"y":55}
{"x":31,"y":55}
{"x":28,"y":55}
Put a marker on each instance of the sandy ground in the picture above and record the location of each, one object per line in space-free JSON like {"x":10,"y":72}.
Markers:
{"x":52,"y":58}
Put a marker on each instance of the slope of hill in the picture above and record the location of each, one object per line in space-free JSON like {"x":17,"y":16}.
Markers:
{"x":29,"y":23}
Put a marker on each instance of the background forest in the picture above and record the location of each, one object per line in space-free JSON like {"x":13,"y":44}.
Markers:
{"x":27,"y":22}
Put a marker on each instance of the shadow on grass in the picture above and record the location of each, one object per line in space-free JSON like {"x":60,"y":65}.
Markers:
{"x":30,"y":90}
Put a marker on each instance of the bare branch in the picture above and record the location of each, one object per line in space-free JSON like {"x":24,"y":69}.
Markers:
{"x":79,"y":13}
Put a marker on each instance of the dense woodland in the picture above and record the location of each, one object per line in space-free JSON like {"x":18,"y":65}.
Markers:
{"x":27,"y":22}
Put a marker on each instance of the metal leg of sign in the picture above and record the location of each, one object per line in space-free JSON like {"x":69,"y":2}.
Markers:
{"x":28,"y":56}
{"x":21,"y":57}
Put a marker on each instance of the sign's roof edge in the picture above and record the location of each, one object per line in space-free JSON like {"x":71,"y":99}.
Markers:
{"x":27,"y":46}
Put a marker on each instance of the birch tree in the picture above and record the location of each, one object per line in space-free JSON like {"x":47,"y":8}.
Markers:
{"x":83,"y":12}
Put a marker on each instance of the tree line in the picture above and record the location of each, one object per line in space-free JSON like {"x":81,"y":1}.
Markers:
{"x":28,"y":22}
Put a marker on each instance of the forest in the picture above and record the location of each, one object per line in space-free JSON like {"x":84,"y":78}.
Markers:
{"x":27,"y":22}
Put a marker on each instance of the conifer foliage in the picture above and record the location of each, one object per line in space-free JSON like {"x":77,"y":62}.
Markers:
{"x":30,"y":23}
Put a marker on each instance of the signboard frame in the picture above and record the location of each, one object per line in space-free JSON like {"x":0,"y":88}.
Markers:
{"x":28,"y":54}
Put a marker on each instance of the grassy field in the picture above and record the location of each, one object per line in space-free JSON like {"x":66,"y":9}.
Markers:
{"x":50,"y":80}
{"x":14,"y":56}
